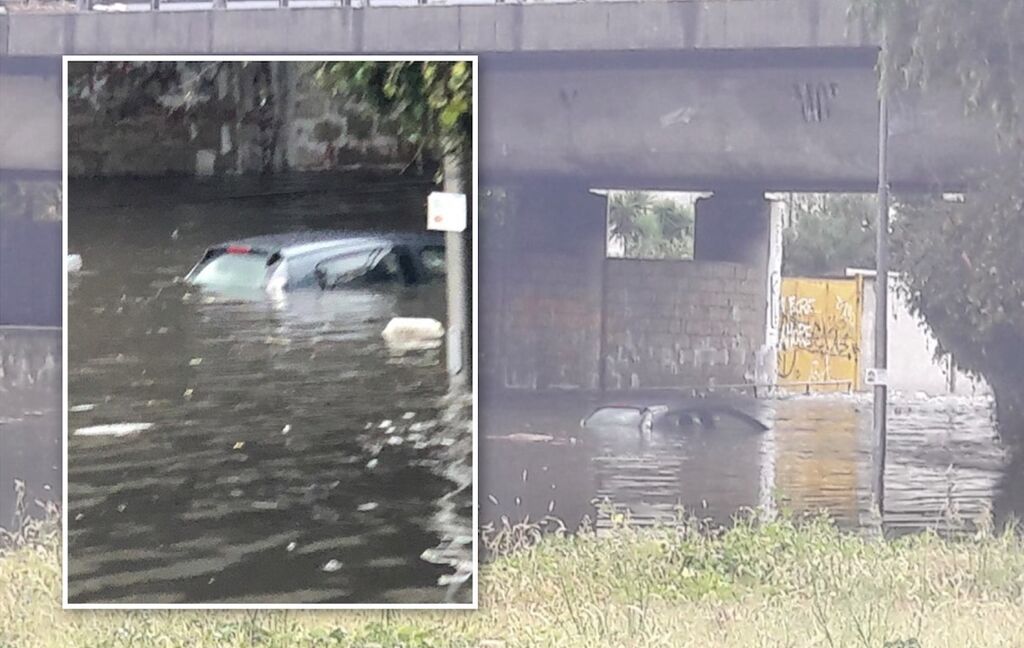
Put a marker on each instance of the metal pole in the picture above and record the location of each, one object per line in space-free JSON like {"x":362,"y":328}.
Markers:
{"x":459,"y":288}
{"x":881,"y":304}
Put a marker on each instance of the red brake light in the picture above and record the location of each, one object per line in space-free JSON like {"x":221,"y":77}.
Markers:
{"x":238,"y":249}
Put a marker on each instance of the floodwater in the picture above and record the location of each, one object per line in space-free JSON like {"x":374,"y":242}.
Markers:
{"x":30,"y":419}
{"x":946,"y":469}
{"x":275,"y":451}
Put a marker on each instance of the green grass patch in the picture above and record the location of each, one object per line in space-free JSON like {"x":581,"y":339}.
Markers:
{"x":778,"y":583}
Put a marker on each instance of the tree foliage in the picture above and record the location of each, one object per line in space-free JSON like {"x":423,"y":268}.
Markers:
{"x":829,"y":233}
{"x":649,"y":227}
{"x":430,"y":101}
{"x":963,"y":262}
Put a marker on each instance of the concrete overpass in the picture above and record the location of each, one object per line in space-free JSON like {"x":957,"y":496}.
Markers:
{"x":779,"y":94}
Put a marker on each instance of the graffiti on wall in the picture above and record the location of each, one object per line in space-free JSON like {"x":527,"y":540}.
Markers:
{"x":819,"y":336}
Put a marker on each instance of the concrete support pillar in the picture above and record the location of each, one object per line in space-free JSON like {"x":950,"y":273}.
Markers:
{"x":552,"y":270}
{"x":732,"y":226}
{"x":735,"y":226}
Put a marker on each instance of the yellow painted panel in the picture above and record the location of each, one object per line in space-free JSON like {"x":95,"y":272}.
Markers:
{"x":819,"y":332}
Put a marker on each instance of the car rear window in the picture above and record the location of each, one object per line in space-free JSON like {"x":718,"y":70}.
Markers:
{"x":233,"y":270}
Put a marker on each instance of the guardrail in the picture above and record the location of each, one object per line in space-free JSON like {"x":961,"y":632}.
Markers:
{"x":204,"y":5}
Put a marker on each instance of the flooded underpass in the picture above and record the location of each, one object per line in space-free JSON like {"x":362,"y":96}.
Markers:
{"x":255,"y":451}
{"x":945,"y":465}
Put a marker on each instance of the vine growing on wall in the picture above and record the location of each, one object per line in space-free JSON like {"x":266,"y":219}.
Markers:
{"x":430,"y":103}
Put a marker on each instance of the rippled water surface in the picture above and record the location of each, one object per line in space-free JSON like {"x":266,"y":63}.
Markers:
{"x":945,"y":465}
{"x":281,"y":452}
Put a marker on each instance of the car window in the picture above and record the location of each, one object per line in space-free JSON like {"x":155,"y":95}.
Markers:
{"x":233,"y":271}
{"x":433,"y":261}
{"x":343,"y":269}
{"x":614,"y":416}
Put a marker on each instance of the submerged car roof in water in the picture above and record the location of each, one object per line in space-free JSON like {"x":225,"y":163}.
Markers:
{"x":293,"y":243}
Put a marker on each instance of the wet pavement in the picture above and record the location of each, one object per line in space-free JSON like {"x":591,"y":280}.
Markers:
{"x":272,"y":451}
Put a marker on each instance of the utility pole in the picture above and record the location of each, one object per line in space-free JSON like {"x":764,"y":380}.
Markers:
{"x":881,"y":306}
{"x":457,"y":276}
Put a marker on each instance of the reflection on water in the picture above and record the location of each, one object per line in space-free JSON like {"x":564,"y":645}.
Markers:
{"x":291,"y":456}
{"x":30,"y":417}
{"x":945,"y":465}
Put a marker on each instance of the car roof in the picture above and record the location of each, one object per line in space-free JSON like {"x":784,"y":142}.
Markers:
{"x":302,"y":242}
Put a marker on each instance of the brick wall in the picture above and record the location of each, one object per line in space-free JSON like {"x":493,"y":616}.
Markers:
{"x":682,"y":323}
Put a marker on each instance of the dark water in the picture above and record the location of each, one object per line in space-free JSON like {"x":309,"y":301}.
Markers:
{"x":945,"y":466}
{"x":289,"y":455}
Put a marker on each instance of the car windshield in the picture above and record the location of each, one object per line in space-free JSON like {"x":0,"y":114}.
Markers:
{"x":233,"y":271}
{"x":614,"y":416}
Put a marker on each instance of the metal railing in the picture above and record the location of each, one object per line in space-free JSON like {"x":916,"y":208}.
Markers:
{"x":203,"y":5}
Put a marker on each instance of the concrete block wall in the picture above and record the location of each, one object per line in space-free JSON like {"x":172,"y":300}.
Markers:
{"x":681,"y":323}
{"x":552,"y":325}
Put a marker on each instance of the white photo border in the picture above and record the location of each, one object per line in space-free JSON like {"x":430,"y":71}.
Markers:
{"x":474,"y":60}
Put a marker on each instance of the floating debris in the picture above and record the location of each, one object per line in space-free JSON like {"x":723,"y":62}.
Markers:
{"x":286,"y":429}
{"x":265,"y":506}
{"x":413,"y":333}
{"x":386,"y":423}
{"x":395,"y":440}
{"x":371,"y":464}
{"x":408,"y":415}
{"x":332,"y":566}
{"x":74,"y":262}
{"x":113,"y":429}
{"x":195,"y":362}
{"x":82,"y":408}
{"x":187,"y":395}
{"x":493,"y":499}
{"x":291,"y":546}
{"x":239,"y":445}
{"x":369,"y":506}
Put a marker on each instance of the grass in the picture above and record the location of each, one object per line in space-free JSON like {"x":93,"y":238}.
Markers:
{"x":780,"y":583}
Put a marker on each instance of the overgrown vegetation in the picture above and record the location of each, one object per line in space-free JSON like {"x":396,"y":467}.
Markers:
{"x":963,"y":263}
{"x":431,"y":103}
{"x":828,"y":233}
{"x":779,"y":583}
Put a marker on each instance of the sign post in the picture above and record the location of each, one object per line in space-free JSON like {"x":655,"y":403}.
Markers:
{"x":878,"y":376}
{"x":446,"y":212}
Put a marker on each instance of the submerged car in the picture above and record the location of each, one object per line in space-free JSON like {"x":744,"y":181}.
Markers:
{"x":669,"y":415}
{"x":320,"y":259}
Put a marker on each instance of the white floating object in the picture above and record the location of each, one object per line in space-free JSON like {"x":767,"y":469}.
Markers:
{"x":332,"y":566}
{"x":413,"y":333}
{"x":291,"y":546}
{"x":408,"y":415}
{"x":371,"y":464}
{"x":74,"y":262}
{"x":81,"y":408}
{"x":369,"y":506}
{"x":286,"y":429}
{"x":113,"y":429}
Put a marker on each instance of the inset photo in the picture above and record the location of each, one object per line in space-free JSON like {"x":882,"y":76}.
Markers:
{"x":270,"y":367}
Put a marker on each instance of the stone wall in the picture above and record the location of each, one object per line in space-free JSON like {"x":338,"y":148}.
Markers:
{"x":682,"y":323}
{"x":260,"y":118}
